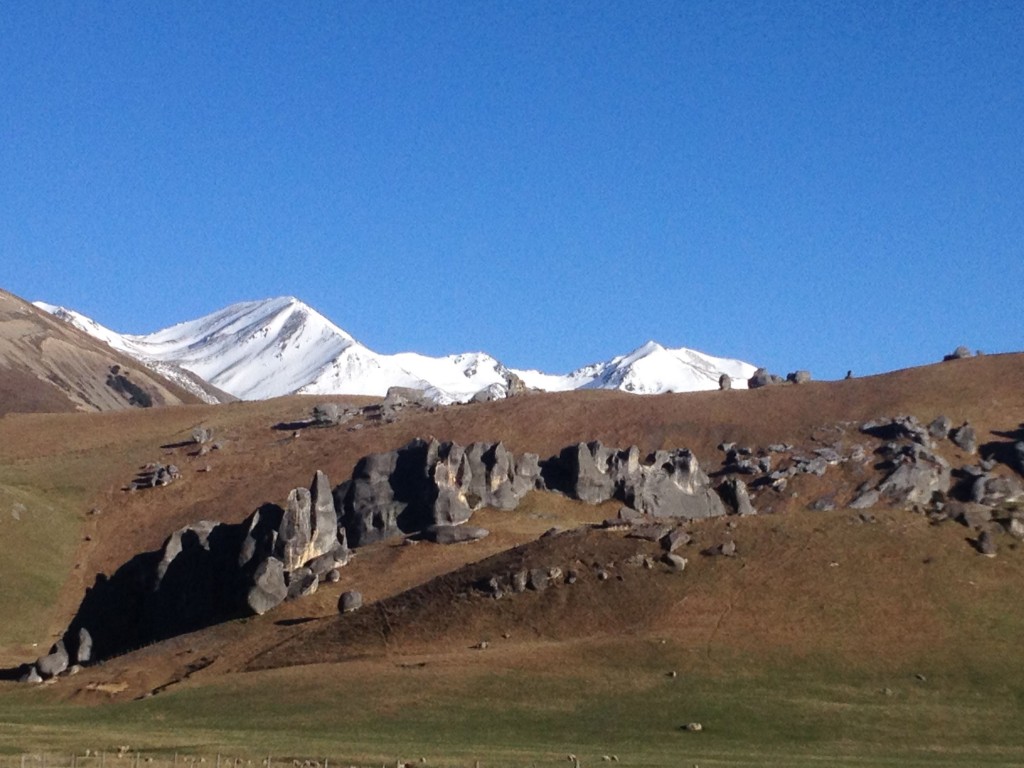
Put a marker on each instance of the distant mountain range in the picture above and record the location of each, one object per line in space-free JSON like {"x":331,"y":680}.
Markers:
{"x":261,"y":349}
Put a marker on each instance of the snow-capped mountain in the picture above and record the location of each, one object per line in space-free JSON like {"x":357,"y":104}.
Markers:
{"x":260,"y":349}
{"x":648,"y":370}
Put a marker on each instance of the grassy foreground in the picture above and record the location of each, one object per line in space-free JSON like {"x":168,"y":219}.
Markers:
{"x":623,"y":703}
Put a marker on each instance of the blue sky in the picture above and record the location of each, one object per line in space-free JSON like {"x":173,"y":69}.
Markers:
{"x":820,"y":185}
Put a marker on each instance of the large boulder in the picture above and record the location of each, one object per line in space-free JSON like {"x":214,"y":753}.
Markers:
{"x":588,"y":467}
{"x":672,"y":484}
{"x":370,"y":509}
{"x":269,"y":588}
{"x":958,"y":354}
{"x":734,"y":493}
{"x":965,"y":438}
{"x":55,"y":662}
{"x":83,"y":653}
{"x":762,"y":378}
{"x":916,"y":477}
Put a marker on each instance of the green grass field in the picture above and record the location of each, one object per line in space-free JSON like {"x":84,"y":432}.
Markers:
{"x":792,"y":712}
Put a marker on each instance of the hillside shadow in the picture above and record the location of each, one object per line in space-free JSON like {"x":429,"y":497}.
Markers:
{"x":291,"y":426}
{"x":1006,"y":452}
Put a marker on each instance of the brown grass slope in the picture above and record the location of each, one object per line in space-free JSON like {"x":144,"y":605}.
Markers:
{"x":809,"y":591}
{"x":47,"y":365}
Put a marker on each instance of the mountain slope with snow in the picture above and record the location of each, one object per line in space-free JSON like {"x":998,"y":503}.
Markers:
{"x":261,"y":349}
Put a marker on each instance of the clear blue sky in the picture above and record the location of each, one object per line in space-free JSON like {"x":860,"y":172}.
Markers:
{"x":821,"y":185}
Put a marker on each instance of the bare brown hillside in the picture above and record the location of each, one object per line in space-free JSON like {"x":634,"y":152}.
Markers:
{"x":48,"y":366}
{"x":785,"y":578}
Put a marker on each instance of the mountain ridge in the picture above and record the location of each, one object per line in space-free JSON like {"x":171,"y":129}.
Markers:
{"x":267,"y":348}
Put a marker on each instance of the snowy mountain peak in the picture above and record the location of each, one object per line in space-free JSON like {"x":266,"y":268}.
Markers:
{"x":261,"y":349}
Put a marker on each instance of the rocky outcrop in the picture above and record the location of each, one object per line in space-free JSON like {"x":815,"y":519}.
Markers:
{"x":208,"y":572}
{"x":427,"y":483}
{"x":667,"y":484}
{"x":762,"y":378}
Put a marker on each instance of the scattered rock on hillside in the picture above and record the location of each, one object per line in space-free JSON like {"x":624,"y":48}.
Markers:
{"x":865,"y":499}
{"x":734,"y":493}
{"x":798,"y":377}
{"x":725,"y":549}
{"x":674,"y":561}
{"x":965,"y":438}
{"x":917,"y":475}
{"x":350,"y":601}
{"x":724,"y":382}
{"x":454,"y":534}
{"x":940,"y":427}
{"x":762,"y":378}
{"x":991,"y":490}
{"x":83,"y":652}
{"x":268,"y":588}
{"x":668,"y":484}
{"x":429,"y":483}
{"x":985,"y":544}
{"x":958,"y":354}
{"x":675,"y":539}
{"x":53,"y":663}
{"x":898,"y":428}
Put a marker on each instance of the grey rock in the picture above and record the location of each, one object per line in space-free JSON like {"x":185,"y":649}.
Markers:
{"x":403,"y":397}
{"x":898,"y":428}
{"x":333,"y":576}
{"x":724,"y":382}
{"x":958,"y":354}
{"x":735,"y":495}
{"x":31,"y":676}
{"x":939,"y":428}
{"x":972,"y":516}
{"x":329,"y":561}
{"x":55,"y":662}
{"x":1014,"y":526}
{"x":350,"y":601}
{"x":83,"y":653}
{"x":917,"y":477}
{"x":538,"y":579}
{"x":268,"y":588}
{"x":514,"y":385}
{"x":649,"y":531}
{"x":301,"y":583}
{"x":762,"y":378}
{"x":798,"y":377}
{"x":986,"y":544}
{"x":675,"y":539}
{"x":992,"y":490}
{"x":674,"y":561}
{"x":490,"y":394}
{"x":588,"y":464}
{"x":309,"y":527}
{"x":671,"y":485}
{"x":824,"y":504}
{"x":725,"y":549}
{"x":965,"y":438}
{"x":327,"y":415}
{"x":865,"y":500}
{"x":519,"y":579}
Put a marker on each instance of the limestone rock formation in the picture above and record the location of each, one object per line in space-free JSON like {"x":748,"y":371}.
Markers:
{"x":429,"y":483}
